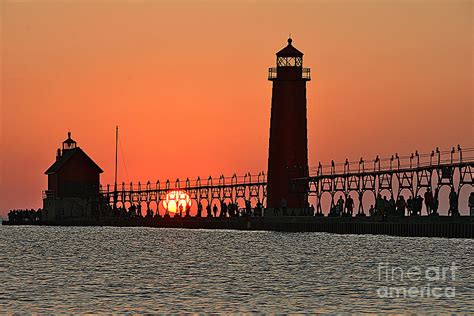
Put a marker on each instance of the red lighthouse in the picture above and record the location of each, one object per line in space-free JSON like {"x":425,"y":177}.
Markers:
{"x":288,"y":149}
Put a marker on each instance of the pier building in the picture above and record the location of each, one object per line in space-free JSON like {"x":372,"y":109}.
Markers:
{"x":73,"y":184}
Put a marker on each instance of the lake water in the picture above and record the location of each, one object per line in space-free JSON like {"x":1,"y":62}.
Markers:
{"x":102,"y":269}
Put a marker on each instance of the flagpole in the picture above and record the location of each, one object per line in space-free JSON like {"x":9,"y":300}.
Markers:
{"x":116,"y":159}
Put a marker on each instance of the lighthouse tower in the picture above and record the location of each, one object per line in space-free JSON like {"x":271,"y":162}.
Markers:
{"x":288,"y":149}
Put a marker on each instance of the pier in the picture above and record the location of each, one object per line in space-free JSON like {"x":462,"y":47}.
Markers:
{"x":422,"y":226}
{"x":396,"y":176}
{"x":401,"y":195}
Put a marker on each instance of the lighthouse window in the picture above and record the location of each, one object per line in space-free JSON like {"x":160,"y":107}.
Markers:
{"x":289,"y":61}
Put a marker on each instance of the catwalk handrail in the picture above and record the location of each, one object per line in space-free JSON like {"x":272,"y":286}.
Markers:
{"x":247,"y":179}
{"x":416,"y":161}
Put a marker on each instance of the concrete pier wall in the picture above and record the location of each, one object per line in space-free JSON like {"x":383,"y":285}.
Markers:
{"x":448,"y":227}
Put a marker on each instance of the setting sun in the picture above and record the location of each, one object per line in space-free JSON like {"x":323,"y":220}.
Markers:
{"x":175,"y":199}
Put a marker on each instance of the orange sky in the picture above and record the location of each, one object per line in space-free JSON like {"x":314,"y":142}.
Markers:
{"x":186,"y":81}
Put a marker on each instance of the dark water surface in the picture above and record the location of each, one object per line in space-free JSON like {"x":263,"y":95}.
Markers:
{"x":102,"y":269}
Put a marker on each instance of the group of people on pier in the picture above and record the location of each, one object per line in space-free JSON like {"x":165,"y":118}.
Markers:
{"x":410,"y":207}
{"x":24,"y":216}
{"x":384,"y":206}
{"x":413,"y":205}
{"x":230,"y":209}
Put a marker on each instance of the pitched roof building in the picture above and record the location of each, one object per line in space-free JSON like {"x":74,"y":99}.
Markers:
{"x":74,"y":173}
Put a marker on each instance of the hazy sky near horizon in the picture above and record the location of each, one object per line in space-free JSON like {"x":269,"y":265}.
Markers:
{"x":186,"y":81}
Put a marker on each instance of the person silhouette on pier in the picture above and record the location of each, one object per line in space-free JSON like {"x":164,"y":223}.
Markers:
{"x":349,"y":205}
{"x":214,"y":210}
{"x":199,"y":210}
{"x":208,"y":210}
{"x":180,"y":207}
{"x":259,"y":210}
{"x":230,"y":209}
{"x":453,"y":203}
{"x":149,"y":212}
{"x":429,"y":199}
{"x":132,"y":210}
{"x":410,"y":206}
{"x":223,"y":209}
{"x":417,"y":205}
{"x":340,"y":205}
{"x":436,"y":202}
{"x":248,"y":208}
{"x":401,"y":206}
{"x":420,"y":204}
{"x":392,"y":206}
{"x":379,"y":204}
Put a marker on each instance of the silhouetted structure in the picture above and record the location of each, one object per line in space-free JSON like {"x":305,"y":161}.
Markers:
{"x":398,"y":180}
{"x":288,"y":146}
{"x":74,"y":198}
{"x":73,"y":184}
{"x":223,"y":189}
{"x":409,"y":175}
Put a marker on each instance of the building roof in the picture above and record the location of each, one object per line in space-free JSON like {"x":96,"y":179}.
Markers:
{"x":289,"y":51}
{"x":66,"y":156}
